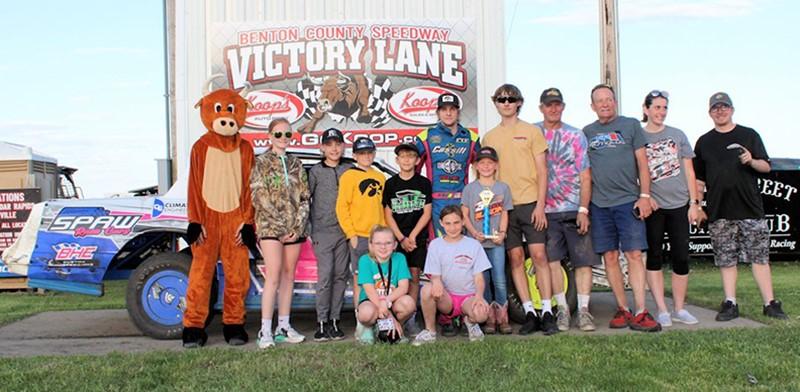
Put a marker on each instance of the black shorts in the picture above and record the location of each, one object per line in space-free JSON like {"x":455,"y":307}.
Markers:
{"x":519,"y":223}
{"x":416,"y":258}
{"x":297,"y":241}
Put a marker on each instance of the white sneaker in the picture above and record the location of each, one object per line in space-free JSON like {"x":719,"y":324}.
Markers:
{"x":367,"y":335}
{"x":265,"y":340}
{"x":474,"y":331}
{"x":664,"y":319}
{"x":288,"y":335}
{"x":683,"y":316}
{"x":424,"y":337}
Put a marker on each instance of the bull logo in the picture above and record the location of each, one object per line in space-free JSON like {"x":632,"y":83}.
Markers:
{"x":342,"y":96}
{"x":372,"y":187}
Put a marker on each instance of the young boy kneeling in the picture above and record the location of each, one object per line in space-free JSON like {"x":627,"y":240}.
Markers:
{"x":455,"y":264}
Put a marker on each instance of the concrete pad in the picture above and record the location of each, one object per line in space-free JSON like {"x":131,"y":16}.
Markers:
{"x":98,"y":332}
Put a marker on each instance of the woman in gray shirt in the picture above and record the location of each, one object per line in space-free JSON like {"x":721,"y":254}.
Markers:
{"x":669,"y":158}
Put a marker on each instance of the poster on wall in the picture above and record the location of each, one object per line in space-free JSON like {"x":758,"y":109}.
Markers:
{"x":375,"y":78}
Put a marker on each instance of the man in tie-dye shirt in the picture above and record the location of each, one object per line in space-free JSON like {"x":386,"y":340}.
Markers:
{"x":569,"y":186}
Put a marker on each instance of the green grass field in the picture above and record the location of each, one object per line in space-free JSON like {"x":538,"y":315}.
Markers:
{"x":18,"y":305}
{"x":739,"y":359}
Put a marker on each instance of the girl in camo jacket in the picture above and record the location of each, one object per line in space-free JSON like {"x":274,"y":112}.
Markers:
{"x":280,"y":196}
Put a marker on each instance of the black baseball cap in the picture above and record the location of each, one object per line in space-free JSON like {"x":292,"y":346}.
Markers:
{"x":363,"y":144}
{"x":486,"y":152}
{"x":405,"y":147}
{"x":332,"y":134}
{"x":551,"y":94}
{"x":448,"y":99}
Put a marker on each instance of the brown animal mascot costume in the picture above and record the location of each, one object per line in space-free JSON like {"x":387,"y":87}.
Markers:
{"x":220,"y":216}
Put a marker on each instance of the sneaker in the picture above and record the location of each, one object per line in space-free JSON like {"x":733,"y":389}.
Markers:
{"x":288,"y":335}
{"x":531,"y":324}
{"x":410,"y":328}
{"x":322,"y":334}
{"x":645,"y":322}
{"x":774,"y":310}
{"x":585,"y":321}
{"x":728,"y":311}
{"x":461,"y":328}
{"x":424,"y":337}
{"x":333,"y":330}
{"x":562,"y":320}
{"x":549,"y":326}
{"x":367,"y":336}
{"x":448,"y":330}
{"x":265,"y":340}
{"x":664,"y":319}
{"x":683,"y":316}
{"x":474,"y":331}
{"x":622,"y":318}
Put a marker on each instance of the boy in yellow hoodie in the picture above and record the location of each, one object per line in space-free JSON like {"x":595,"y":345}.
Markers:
{"x":358,"y":208}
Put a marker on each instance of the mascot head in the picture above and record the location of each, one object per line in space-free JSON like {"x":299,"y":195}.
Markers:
{"x":223,"y":111}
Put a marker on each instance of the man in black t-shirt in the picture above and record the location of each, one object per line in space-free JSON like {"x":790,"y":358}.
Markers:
{"x":728,"y":161}
{"x":407,"y":204}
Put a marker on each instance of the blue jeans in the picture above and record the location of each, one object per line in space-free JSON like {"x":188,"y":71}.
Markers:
{"x":496,"y":276}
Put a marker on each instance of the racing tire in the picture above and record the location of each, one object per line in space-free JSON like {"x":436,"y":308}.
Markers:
{"x":156,"y":295}
{"x":515,"y":311}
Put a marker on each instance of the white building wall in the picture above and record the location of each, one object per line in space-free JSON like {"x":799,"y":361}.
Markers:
{"x":193,"y":66}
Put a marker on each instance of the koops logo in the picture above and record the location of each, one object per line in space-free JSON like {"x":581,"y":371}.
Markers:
{"x":417,"y":105}
{"x":271,"y":104}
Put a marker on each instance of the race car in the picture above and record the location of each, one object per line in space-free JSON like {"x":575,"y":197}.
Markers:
{"x":74,"y":245}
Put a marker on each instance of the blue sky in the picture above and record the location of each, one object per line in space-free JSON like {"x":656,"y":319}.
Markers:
{"x":90,"y":84}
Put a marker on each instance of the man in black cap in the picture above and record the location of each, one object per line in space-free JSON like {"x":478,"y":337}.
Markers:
{"x":569,"y":188}
{"x":446,"y":151}
{"x":407,"y":203}
{"x":330,"y":244}
{"x":728,"y":160}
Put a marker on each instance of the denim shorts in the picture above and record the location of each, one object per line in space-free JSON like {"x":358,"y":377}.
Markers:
{"x":616,"y":228}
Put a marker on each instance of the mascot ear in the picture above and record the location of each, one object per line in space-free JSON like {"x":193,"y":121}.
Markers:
{"x":249,"y":104}
{"x":199,"y":103}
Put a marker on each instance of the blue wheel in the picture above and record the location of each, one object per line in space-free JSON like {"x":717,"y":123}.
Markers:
{"x":163,"y":297}
{"x":156,"y":295}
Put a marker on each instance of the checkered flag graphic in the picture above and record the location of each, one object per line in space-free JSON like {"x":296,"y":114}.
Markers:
{"x":379,"y":100}
{"x":309,"y":93}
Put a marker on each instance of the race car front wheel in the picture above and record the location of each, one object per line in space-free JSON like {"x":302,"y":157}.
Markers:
{"x":156,"y":295}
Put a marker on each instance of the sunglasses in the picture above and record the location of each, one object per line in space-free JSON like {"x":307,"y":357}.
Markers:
{"x":287,"y":134}
{"x":506,"y":99}
{"x":720,"y":107}
{"x":658,"y":93}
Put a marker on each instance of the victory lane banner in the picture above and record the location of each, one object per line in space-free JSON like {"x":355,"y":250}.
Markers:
{"x":379,"y":79}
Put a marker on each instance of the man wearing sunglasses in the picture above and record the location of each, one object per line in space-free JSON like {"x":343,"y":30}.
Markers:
{"x":619,"y":204}
{"x":521,"y":148}
{"x":728,"y":160}
{"x":446,"y":151}
{"x":569,"y":188}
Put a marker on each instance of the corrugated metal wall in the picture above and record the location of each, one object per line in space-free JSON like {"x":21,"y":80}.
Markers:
{"x":192,"y":64}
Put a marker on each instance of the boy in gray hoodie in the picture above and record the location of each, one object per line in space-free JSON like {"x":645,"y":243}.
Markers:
{"x":330,"y":245}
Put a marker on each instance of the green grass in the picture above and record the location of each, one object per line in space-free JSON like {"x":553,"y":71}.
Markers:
{"x":677,"y":360}
{"x":705,"y":289}
{"x":18,"y":305}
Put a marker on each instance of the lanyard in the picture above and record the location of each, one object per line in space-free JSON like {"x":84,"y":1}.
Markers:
{"x":285,"y":172}
{"x":386,"y":283}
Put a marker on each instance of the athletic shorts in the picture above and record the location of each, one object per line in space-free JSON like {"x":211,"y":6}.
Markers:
{"x":457,"y":300}
{"x":563,"y":240}
{"x":297,"y":241}
{"x":745,"y":240}
{"x":615,"y":228}
{"x":415,"y":258}
{"x":519,"y":224}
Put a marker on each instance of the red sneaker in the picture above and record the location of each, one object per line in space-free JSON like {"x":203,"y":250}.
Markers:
{"x":645,"y":322}
{"x":622,"y":318}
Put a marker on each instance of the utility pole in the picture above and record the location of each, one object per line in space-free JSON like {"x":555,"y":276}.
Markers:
{"x":609,"y":46}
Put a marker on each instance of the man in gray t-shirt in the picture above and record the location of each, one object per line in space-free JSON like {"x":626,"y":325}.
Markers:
{"x":619,"y":204}
{"x":666,"y":151}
